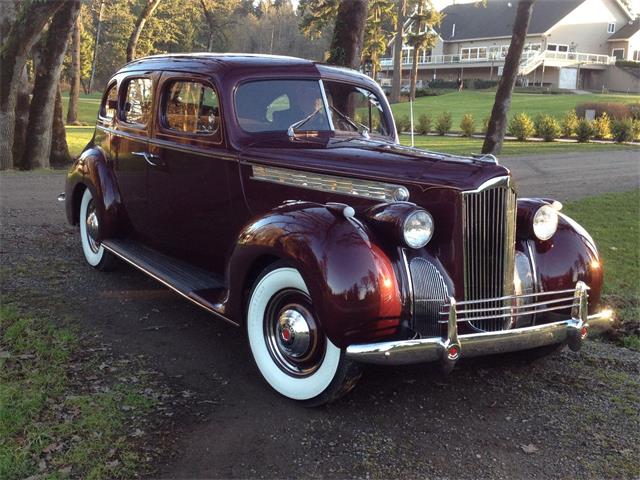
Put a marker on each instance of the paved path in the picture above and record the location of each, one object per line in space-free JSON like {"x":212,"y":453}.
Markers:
{"x":570,"y":176}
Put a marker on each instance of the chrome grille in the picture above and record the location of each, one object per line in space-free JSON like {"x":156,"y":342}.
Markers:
{"x":429,"y":294}
{"x":489,"y":222}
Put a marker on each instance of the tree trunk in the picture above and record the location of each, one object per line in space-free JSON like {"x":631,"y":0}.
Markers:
{"x":74,"y":92}
{"x":208,"y":15}
{"x":497,"y":127}
{"x":348,"y":34}
{"x":396,"y":82}
{"x":38,"y":145}
{"x":22,"y":116}
{"x":16,"y":45}
{"x":145,"y":15}
{"x":96,"y":42}
{"x":59,"y":149}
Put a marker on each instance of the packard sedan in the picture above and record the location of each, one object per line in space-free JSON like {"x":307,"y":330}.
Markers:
{"x":273,"y":193}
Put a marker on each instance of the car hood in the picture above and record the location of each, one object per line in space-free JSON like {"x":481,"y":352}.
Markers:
{"x":381,"y":161}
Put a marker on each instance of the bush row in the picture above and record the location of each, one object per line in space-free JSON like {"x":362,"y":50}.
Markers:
{"x":523,"y":127}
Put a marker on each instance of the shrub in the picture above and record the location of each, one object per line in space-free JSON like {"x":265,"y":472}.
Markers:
{"x":485,"y":124}
{"x":602,"y":126}
{"x":468,"y":125}
{"x":547,"y":128}
{"x":424,"y":124}
{"x":622,"y":130}
{"x":584,"y":131}
{"x":569,"y":123}
{"x":634,"y":110}
{"x":403,"y":124}
{"x":617,"y":111}
{"x":443,"y":124}
{"x":521,"y":126}
{"x":636,"y":129}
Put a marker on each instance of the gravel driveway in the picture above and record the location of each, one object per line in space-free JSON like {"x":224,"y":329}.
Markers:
{"x":569,"y":415}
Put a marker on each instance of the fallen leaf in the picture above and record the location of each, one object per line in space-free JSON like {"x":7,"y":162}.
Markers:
{"x":531,"y":448}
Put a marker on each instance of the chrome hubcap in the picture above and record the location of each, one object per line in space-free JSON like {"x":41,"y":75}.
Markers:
{"x":92,"y":227}
{"x":291,"y":334}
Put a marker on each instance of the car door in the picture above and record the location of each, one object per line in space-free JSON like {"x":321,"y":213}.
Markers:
{"x":189,"y":194}
{"x":130,"y":144}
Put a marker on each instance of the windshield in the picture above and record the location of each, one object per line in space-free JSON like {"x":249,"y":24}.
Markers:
{"x":276,"y":105}
{"x":299,"y":106}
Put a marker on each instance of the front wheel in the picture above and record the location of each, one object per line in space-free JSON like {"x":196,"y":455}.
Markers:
{"x":288,"y":344}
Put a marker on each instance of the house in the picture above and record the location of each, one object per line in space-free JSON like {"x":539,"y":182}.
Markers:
{"x":570,"y":44}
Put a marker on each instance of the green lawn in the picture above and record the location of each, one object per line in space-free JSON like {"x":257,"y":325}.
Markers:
{"x":479,"y":103}
{"x":87,"y":107}
{"x":58,"y":419}
{"x":613,"y":220}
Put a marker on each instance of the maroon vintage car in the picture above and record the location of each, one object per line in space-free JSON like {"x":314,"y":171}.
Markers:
{"x":273,"y":193}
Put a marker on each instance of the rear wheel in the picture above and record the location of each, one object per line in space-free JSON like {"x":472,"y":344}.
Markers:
{"x":94,"y":252}
{"x":288,"y":345}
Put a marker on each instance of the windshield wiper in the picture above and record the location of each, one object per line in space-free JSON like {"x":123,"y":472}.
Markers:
{"x":291,"y":131}
{"x":360,"y":128}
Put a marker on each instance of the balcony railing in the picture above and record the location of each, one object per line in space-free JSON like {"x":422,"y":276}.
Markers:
{"x":527,"y":57}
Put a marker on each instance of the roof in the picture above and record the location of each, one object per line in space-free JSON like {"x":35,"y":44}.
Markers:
{"x":217,"y":61}
{"x":628,"y":31}
{"x":496,"y":18}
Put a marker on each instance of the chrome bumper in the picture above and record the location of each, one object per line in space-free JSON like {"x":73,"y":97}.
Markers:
{"x":448,"y":350}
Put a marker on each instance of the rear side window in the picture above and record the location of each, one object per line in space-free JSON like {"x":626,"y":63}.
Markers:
{"x":191,"y":107}
{"x":110,"y":103}
{"x":137,"y":102}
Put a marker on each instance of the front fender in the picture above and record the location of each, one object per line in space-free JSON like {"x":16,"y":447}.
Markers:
{"x":92,"y":171}
{"x":352,"y":283}
{"x":569,"y":256}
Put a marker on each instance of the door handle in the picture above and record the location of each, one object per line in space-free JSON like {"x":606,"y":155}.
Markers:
{"x":148,"y":157}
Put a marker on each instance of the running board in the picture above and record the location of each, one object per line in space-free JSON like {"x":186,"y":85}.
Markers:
{"x":193,"y":283}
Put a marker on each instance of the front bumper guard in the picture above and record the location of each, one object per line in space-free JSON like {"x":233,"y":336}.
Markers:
{"x":448,"y":350}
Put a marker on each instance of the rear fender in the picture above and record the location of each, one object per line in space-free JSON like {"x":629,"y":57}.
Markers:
{"x":92,"y":171}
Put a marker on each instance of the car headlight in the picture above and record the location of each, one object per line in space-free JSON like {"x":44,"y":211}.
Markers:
{"x":418,"y":229}
{"x":545,"y":222}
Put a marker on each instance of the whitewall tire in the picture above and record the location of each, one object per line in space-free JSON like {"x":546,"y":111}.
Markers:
{"x":94,"y":252}
{"x":288,"y":345}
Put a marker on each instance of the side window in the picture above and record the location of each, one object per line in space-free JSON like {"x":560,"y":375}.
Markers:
{"x":191,"y":107}
{"x":110,"y":103}
{"x":137,"y":102}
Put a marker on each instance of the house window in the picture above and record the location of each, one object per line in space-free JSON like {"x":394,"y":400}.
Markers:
{"x":611,"y":28}
{"x":618,"y":53}
{"x":473,"y":53}
{"x":557,"y":47}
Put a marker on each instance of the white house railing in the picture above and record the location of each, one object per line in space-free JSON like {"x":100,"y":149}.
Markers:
{"x":527,"y":57}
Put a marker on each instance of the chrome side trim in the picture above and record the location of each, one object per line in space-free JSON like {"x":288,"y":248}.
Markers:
{"x":171,"y":287}
{"x":329,"y":183}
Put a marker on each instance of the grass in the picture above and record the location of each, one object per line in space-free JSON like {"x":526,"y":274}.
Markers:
{"x":466,"y":146}
{"x":479,"y":103}
{"x":52,"y":422}
{"x":613,"y":219}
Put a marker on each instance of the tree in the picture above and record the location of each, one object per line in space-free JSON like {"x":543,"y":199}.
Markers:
{"x":74,"y":74}
{"x":19,"y":34}
{"x":396,"y":83}
{"x":144,"y":16}
{"x":348,"y":33}
{"x":49,"y":66}
{"x":377,"y":32}
{"x":425,"y":16}
{"x":498,"y":121}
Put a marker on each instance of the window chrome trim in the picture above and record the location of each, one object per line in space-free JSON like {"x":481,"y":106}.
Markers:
{"x":326,"y":105}
{"x":387,"y":192}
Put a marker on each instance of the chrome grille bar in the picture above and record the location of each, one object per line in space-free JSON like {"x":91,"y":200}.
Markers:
{"x":511,"y":307}
{"x":489,"y":218}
